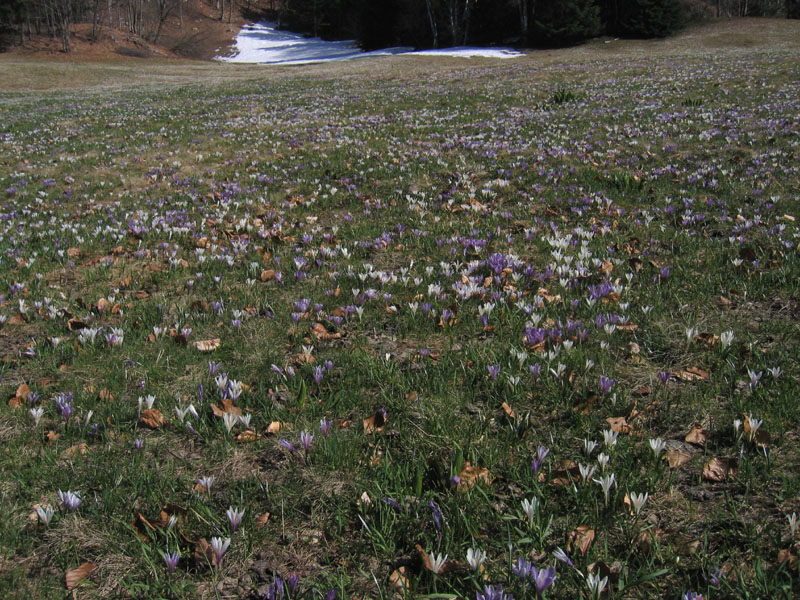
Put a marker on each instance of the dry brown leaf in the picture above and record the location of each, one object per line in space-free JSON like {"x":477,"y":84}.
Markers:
{"x":601,"y":569}
{"x":208,"y":345}
{"x":319,"y":331}
{"x":262,"y":520}
{"x":450,"y":565}
{"x":52,"y":436}
{"x":580,"y":539}
{"x":247,"y":436}
{"x":152,"y":417}
{"x":275,"y":427}
{"x":227,"y":407}
{"x":103,"y":305}
{"x":73,"y":252}
{"x":399,"y":582}
{"x":142,"y":294}
{"x":566,"y":473}
{"x":76,"y":449}
{"x":691,"y":374}
{"x":718,"y":469}
{"x":785,"y":556}
{"x":412,"y":396}
{"x":374,"y":422}
{"x":677,"y":458}
{"x":471,"y":474}
{"x":268,"y":274}
{"x":106,"y":395}
{"x":697,"y":436}
{"x":23,"y":391}
{"x":588,"y":404}
{"x":709,"y":340}
{"x":648,"y":538}
{"x":508,"y":410}
{"x":204,"y":553}
{"x":684,"y":545}
{"x":75,"y":576}
{"x":618,"y":424}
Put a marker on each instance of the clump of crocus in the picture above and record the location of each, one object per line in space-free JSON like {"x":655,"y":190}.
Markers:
{"x":70,"y":500}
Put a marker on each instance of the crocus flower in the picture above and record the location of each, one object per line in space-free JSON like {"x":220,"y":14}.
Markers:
{"x":234,"y":517}
{"x":437,"y":516}
{"x":305,"y":439}
{"x":493,"y":593}
{"x":172,"y":560}
{"x":325,"y":426}
{"x":220,"y":547}
{"x":70,"y":500}
{"x":475,"y":558}
{"x":493,"y":371}
{"x":206,"y":482}
{"x":541,"y":455}
{"x":543,"y":579}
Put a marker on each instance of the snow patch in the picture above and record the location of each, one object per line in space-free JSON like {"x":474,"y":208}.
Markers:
{"x":263,"y":43}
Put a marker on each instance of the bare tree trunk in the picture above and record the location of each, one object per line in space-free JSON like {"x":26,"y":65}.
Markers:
{"x":432,"y":20}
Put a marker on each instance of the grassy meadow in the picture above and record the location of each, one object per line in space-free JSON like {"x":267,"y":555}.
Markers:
{"x":403,"y":328}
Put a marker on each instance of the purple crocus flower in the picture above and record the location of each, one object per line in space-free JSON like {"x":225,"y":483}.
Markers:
{"x":392,"y":502}
{"x":291,"y":583}
{"x":437,"y":516}
{"x":491,"y":592}
{"x":543,"y":579}
{"x":664,"y":377}
{"x":541,"y":455}
{"x":318,"y":372}
{"x":331,"y":595}
{"x":172,"y":560}
{"x":64,"y":403}
{"x":325,"y":426}
{"x":287,"y":445}
{"x":305,"y":439}
{"x":493,"y":371}
{"x":606,"y":384}
{"x":522,"y":568}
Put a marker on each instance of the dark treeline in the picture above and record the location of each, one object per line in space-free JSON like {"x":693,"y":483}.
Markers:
{"x":385,"y":23}
{"x":532,"y":23}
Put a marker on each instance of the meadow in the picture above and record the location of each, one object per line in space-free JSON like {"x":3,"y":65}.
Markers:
{"x":405,"y":328}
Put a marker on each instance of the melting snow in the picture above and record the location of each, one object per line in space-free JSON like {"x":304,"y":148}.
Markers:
{"x":263,"y":43}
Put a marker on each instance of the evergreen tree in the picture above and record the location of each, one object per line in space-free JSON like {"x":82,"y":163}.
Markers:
{"x":565,"y":22}
{"x":648,"y":18}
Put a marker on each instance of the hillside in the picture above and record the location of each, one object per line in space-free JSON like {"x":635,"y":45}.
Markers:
{"x":196,"y":34}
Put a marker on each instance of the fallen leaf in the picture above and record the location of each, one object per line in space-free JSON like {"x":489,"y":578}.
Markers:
{"x":648,"y":538}
{"x":52,"y":436}
{"x":588,"y":404}
{"x":697,"y":436}
{"x":208,"y":345}
{"x":709,"y":340}
{"x":106,"y":395}
{"x":204,"y":553}
{"x":247,"y":436}
{"x":508,"y":410}
{"x":785,"y":556}
{"x":375,"y":422}
{"x":73,"y":252}
{"x":601,"y":570}
{"x":152,"y":417}
{"x":399,"y":581}
{"x":677,"y":458}
{"x":618,"y":424}
{"x":718,"y":469}
{"x":227,"y":407}
{"x":75,"y":576}
{"x":412,"y":396}
{"x":580,"y":539}
{"x":73,"y":450}
{"x":470,"y":475}
{"x":319,"y":331}
{"x":267,"y":274}
{"x":262,"y":520}
{"x":276,"y":426}
{"x":691,"y":374}
{"x":566,"y":473}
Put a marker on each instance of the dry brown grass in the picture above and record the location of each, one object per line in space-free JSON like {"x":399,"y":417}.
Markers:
{"x":21,"y":73}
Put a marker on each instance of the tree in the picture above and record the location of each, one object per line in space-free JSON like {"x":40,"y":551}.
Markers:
{"x":793,"y":9}
{"x":648,"y":18}
{"x":564,"y":22}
